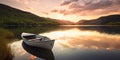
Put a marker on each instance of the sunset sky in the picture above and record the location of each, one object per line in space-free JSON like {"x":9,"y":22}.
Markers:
{"x":72,"y":10}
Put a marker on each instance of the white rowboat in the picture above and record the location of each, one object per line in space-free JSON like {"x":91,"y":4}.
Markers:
{"x":37,"y":40}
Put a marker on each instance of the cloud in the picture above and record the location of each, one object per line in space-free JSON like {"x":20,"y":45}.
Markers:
{"x":54,"y":10}
{"x":68,"y":2}
{"x":89,"y":7}
{"x":99,"y":5}
{"x":64,"y":12}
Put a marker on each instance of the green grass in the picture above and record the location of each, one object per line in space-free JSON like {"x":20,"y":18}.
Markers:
{"x":5,"y":50}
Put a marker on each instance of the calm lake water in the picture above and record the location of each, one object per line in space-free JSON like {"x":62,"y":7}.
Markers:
{"x":71,"y":43}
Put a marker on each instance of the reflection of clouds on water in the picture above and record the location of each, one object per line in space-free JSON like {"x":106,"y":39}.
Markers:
{"x":39,"y":52}
{"x":75,"y":44}
{"x":96,"y":42}
{"x":75,"y":38}
{"x":29,"y":53}
{"x":16,"y":48}
{"x":20,"y":53}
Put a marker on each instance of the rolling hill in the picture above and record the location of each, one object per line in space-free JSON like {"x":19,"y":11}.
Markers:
{"x":104,"y":20}
{"x":10,"y":16}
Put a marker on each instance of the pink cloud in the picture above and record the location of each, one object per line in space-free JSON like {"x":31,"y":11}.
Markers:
{"x":68,"y":2}
{"x":89,"y":7}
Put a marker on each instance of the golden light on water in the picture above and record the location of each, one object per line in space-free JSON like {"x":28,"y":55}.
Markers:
{"x":73,"y":38}
{"x":69,"y":39}
{"x":19,"y":51}
{"x":16,"y":47}
{"x":76,"y":38}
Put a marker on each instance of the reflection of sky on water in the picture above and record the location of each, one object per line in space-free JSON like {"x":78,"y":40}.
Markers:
{"x":20,"y":53}
{"x":76,"y":44}
{"x":76,"y":38}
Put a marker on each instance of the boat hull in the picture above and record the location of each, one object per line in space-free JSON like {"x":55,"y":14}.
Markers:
{"x":43,"y":44}
{"x":47,"y":44}
{"x":39,"y":52}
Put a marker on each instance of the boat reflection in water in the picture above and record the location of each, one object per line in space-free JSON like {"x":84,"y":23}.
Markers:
{"x":39,"y":52}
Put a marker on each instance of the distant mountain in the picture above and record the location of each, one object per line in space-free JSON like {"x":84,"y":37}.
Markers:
{"x":104,"y":20}
{"x":10,"y":16}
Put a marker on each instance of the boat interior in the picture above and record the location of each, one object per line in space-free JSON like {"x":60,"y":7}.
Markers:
{"x":30,"y":37}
